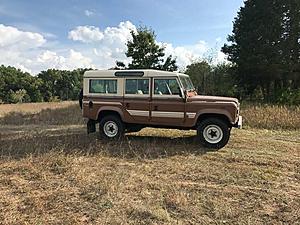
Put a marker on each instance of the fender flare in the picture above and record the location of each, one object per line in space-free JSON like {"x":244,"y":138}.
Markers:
{"x":221,"y":112}
{"x":111,"y":108}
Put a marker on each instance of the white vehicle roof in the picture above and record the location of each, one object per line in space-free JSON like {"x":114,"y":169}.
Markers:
{"x":130,"y":73}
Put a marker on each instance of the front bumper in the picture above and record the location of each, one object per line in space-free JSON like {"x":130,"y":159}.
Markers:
{"x":239,"y":123}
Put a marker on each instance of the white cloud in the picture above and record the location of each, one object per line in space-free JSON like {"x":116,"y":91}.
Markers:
{"x":111,"y":36}
{"x":11,"y":37}
{"x":18,"y":47}
{"x":188,"y":53}
{"x":107,"y":49}
{"x":88,"y":13}
{"x":92,"y":47}
{"x":86,"y":34}
{"x":115,"y":39}
{"x":120,"y":34}
{"x":50,"y":56}
{"x":221,"y":58}
{"x":50,"y":59}
{"x":25,"y":50}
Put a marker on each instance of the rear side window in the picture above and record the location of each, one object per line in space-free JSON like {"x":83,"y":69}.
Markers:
{"x":166,"y":87}
{"x":103,"y":86}
{"x":137,"y":86}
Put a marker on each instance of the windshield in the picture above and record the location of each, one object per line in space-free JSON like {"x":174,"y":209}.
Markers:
{"x":187,"y":83}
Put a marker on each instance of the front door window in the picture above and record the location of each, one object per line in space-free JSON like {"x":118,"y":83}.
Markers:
{"x":166,"y":87}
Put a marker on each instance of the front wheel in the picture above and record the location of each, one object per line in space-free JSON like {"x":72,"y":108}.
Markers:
{"x":213,"y":133}
{"x":111,"y":127}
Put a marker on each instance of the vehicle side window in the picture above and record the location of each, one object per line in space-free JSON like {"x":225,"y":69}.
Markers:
{"x":166,"y":87}
{"x":103,"y":86}
{"x":137,"y":86}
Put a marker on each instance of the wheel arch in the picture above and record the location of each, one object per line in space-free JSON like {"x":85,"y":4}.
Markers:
{"x":109,"y":111}
{"x":221,"y":116}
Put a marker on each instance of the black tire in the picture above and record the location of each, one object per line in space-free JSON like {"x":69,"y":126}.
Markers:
{"x":213,"y":133}
{"x":111,"y":128}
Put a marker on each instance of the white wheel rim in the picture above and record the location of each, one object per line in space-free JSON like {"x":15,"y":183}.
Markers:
{"x":213,"y":134}
{"x":110,"y":129}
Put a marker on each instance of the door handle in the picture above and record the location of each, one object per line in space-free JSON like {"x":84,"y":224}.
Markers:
{"x":155,"y":108}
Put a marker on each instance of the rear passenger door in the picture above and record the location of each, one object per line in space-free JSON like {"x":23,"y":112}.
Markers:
{"x":167,"y":105}
{"x":137,"y":99}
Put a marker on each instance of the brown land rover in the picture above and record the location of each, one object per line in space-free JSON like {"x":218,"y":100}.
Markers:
{"x":129,"y":100}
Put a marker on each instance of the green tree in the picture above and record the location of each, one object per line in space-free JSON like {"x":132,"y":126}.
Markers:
{"x":264,"y":45}
{"x":223,"y":81}
{"x":49,"y":86}
{"x":146,"y":53}
{"x":12,"y":80}
{"x":199,"y":73}
{"x":290,"y":44}
{"x":213,"y":79}
{"x":17,"y":96}
{"x":17,"y":86}
{"x":61,"y":84}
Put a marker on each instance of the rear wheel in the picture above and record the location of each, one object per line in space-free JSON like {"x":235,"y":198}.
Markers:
{"x":111,"y":127}
{"x":213,"y":133}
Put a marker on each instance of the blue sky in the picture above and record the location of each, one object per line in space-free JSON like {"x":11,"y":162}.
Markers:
{"x":189,"y":27}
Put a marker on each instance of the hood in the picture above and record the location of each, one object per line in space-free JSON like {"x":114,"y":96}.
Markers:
{"x":213,"y":99}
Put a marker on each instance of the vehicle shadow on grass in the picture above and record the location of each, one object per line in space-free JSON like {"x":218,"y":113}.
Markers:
{"x":76,"y":141}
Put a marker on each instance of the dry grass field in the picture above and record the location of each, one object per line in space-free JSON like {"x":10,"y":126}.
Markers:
{"x":52,"y":172}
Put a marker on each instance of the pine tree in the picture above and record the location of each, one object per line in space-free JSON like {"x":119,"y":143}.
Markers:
{"x":291,"y":43}
{"x":265,"y":44}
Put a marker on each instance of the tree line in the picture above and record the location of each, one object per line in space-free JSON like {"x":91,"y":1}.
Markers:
{"x":50,"y":85}
{"x":263,"y":61}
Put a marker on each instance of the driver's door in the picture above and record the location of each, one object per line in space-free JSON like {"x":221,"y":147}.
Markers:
{"x":167,"y":105}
